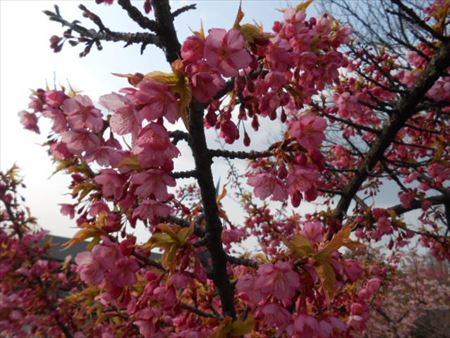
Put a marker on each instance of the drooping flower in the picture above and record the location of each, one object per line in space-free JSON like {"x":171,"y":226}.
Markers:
{"x":59,"y":151}
{"x":58,"y":117}
{"x":68,"y":210}
{"x":229,"y":131}
{"x":29,"y":121}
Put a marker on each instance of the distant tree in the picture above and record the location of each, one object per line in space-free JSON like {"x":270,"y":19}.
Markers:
{"x":361,"y":111}
{"x":414,"y":301}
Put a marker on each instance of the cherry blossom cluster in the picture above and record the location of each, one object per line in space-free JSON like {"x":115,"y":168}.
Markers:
{"x":311,"y":278}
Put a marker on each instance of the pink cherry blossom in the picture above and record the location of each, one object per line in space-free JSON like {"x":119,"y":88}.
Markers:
{"x":125,"y":119}
{"x":279,"y":55}
{"x":373,"y":285}
{"x":82,"y":114}
{"x":308,"y":130}
{"x":89,"y":269}
{"x":151,"y":210}
{"x":79,"y":142}
{"x":59,"y":151}
{"x":353,"y":270}
{"x":247,"y":286}
{"x":205,"y":82}
{"x":153,"y":146}
{"x":111,"y":182}
{"x":306,"y":326}
{"x":192,"y":49}
{"x":229,"y":131}
{"x":314,"y":231}
{"x":108,"y":156}
{"x":278,"y":280}
{"x":232,"y":235}
{"x":275,"y":315}
{"x":154,"y":100}
{"x":58,"y":117}
{"x":153,"y":182}
{"x":347,"y":104}
{"x":226,"y":51}
{"x":267,"y":184}
{"x":36,"y":104}
{"x":302,"y":178}
{"x":440,"y":172}
{"x":55,"y":98}
{"x":124,"y":272}
{"x":68,"y":210}
{"x":29,"y":121}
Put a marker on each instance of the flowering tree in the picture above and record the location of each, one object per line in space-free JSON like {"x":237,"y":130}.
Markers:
{"x":414,"y":299}
{"x":357,"y":115}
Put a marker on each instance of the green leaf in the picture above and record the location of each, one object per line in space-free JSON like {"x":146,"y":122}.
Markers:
{"x":300,"y":246}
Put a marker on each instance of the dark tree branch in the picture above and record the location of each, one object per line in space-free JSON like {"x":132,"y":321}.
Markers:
{"x":148,"y":261}
{"x":178,"y":220}
{"x":404,"y":110}
{"x":185,"y":174}
{"x":199,"y":312}
{"x":136,"y":15}
{"x":351,"y":123}
{"x":416,"y":204}
{"x":94,"y":18}
{"x":183,"y":10}
{"x":203,"y":163}
{"x":250,"y":155}
{"x":243,"y":261}
{"x":91,"y":36}
{"x":416,"y":20}
{"x":178,"y":135}
{"x":166,"y":30}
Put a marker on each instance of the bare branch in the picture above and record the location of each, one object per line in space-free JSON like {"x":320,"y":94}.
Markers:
{"x":416,"y":204}
{"x":243,"y":261}
{"x":199,"y":312}
{"x":183,"y":10}
{"x":185,"y":174}
{"x":250,"y":155}
{"x":90,"y":36}
{"x":416,"y":20}
{"x":136,"y":15}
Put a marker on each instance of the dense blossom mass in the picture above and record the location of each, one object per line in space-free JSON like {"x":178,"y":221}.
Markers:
{"x":354,"y":119}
